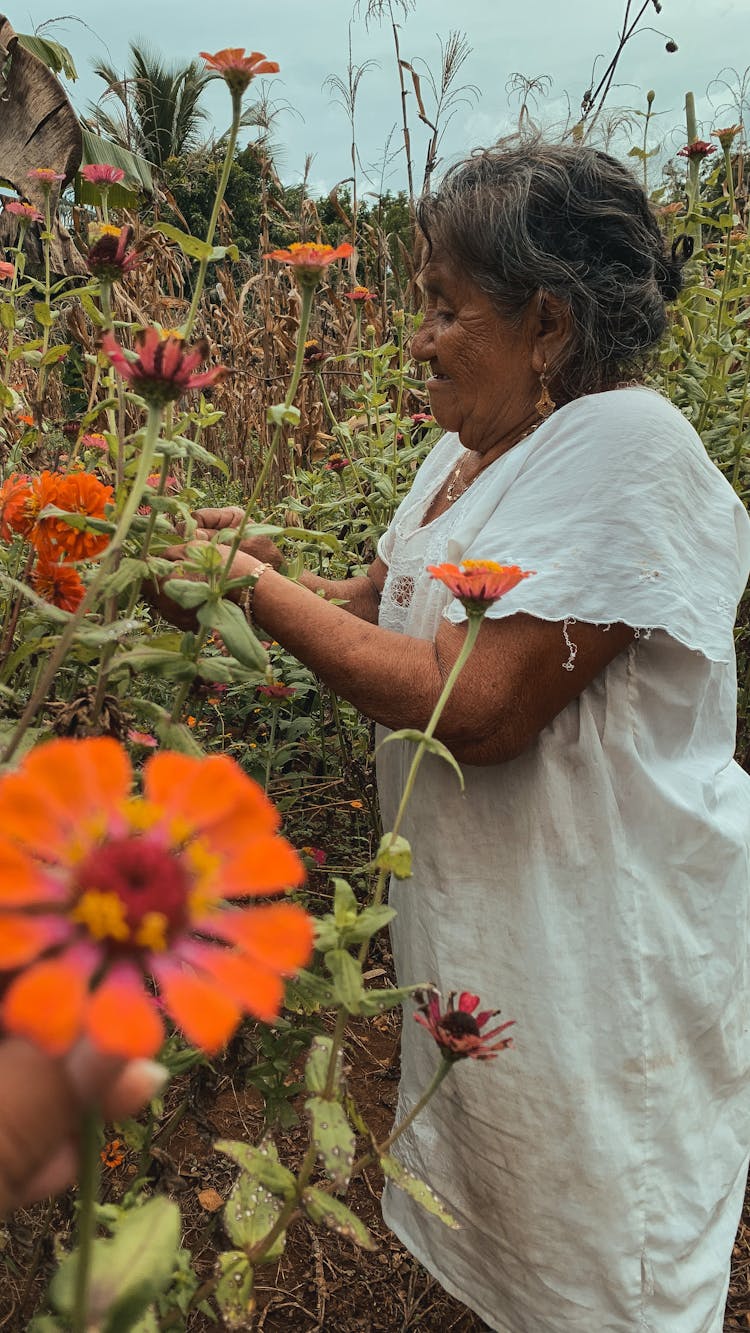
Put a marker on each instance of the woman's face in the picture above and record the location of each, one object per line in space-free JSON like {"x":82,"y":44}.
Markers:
{"x":483,"y":385}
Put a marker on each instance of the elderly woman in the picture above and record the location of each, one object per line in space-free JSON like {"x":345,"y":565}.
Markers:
{"x":594,"y":876}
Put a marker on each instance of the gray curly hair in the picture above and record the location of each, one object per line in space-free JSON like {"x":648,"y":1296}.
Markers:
{"x":528,"y":217}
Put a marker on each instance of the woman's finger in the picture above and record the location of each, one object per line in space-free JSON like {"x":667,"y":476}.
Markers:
{"x":228,"y":517}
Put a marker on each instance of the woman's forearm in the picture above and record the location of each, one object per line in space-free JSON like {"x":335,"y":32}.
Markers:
{"x":359,"y":596}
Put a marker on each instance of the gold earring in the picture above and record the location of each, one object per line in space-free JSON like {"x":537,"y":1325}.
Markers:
{"x":546,"y":404}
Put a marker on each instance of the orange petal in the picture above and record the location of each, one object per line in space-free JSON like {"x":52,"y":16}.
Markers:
{"x":258,"y":990}
{"x":47,"y":1002}
{"x":265,"y":865}
{"x":204,"y":1011}
{"x":212,"y":794}
{"x":57,"y":784}
{"x":23,"y":938}
{"x":122,"y":1018}
{"x":279,"y":937}
{"x":22,"y":882}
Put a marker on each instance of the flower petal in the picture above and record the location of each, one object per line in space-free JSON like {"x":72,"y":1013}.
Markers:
{"x":265,"y":865}
{"x":122,"y":1018}
{"x":47,"y":1002}
{"x":23,"y":937}
{"x":279,"y":937}
{"x":61,"y":781}
{"x":258,"y":990}
{"x":21,"y":881}
{"x":467,"y":1002}
{"x":213,"y":795}
{"x":204,"y":1011}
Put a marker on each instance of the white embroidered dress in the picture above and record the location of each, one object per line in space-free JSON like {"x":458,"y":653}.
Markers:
{"x":596,"y":888}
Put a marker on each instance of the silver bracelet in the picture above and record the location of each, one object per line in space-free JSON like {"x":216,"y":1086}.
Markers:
{"x":249,"y":593}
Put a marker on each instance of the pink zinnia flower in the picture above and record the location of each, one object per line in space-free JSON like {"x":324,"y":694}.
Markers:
{"x":143,"y":738}
{"x":457,"y":1031}
{"x":162,"y":369}
{"x":102,"y":174}
{"x":20,"y":210}
{"x":6,"y":270}
{"x":359,"y":294}
{"x":45,"y":176}
{"x":237,"y":69}
{"x":698,"y":148}
{"x":108,"y":256}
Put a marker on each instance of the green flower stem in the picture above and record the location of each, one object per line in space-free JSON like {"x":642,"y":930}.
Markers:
{"x":443,"y":1069}
{"x":399,"y":409}
{"x":20,"y":263}
{"x":44,"y":370}
{"x":342,"y":441}
{"x":221,"y":191}
{"x":88,"y":1193}
{"x":66,"y":638}
{"x":270,"y":745}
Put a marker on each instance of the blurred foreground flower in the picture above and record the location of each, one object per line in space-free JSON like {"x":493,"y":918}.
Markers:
{"x":309,"y":260}
{"x":237,"y":69}
{"x":103,"y":893}
{"x":479,"y":583}
{"x":162,"y":368}
{"x":457,"y":1031}
{"x":6,"y":270}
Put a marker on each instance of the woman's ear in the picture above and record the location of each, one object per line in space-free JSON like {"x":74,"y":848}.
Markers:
{"x":550,"y":331}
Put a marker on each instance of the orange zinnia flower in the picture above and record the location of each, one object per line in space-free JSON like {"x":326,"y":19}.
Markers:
{"x":479,"y":583}
{"x":101,"y":891}
{"x":76,"y":493}
{"x":15,"y":494}
{"x":361,"y":294}
{"x":58,"y":583}
{"x":309,"y":260}
{"x":236,"y":68}
{"x":6,"y":270}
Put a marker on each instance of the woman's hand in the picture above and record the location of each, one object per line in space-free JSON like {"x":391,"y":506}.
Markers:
{"x":184,"y":618}
{"x":41,"y":1103}
{"x":214,"y":520}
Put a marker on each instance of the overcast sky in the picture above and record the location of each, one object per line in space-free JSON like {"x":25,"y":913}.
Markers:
{"x":309,"y":40}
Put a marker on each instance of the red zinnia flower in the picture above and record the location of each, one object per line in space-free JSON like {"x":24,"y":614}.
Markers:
{"x":361,"y":294}
{"x":58,"y":583}
{"x":108,"y":255}
{"x":6,"y":270}
{"x":19,"y":210}
{"x":236,"y":68}
{"x":336,"y":462}
{"x":162,"y":368}
{"x":479,"y":583}
{"x":277,"y":691}
{"x":76,"y":493}
{"x":101,"y":890}
{"x":309,"y":260}
{"x":457,"y":1031}
{"x":698,"y":148}
{"x":102,"y":174}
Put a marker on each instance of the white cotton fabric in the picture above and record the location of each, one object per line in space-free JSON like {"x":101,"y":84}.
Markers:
{"x":596,"y":888}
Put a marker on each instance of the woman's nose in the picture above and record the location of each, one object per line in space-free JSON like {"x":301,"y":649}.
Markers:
{"x":422,"y":343}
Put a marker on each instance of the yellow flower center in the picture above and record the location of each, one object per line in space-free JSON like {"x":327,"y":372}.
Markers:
{"x":103,"y":915}
{"x":486,"y":566}
{"x":152,"y":932}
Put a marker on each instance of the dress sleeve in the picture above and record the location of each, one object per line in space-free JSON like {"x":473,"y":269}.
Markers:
{"x":624,"y":518}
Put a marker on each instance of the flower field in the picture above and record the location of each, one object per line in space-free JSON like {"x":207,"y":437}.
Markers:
{"x":192,"y":859}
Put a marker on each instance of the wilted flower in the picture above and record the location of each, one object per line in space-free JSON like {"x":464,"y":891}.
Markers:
{"x":101,"y":889}
{"x":699,"y":148}
{"x":479,"y":583}
{"x":309,"y":260}
{"x":25,"y":211}
{"x":313,"y":352}
{"x":361,"y":294}
{"x":112,"y":1154}
{"x":336,"y":462}
{"x":46,"y":177}
{"x":727,"y":136}
{"x":58,"y":583}
{"x":236,"y":68}
{"x":457,"y":1031}
{"x":108,"y":256}
{"x":102,"y":174}
{"x":162,"y":368}
{"x":6,"y":270}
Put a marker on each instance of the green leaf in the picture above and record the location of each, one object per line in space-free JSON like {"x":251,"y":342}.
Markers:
{"x":429,"y":742}
{"x":345,"y":905}
{"x":234,"y":1289}
{"x":368,"y":923}
{"x":333,"y":1137}
{"x":377,"y":1001}
{"x":347,"y":978}
{"x":136,"y":168}
{"x":192,"y":246}
{"x":251,"y":1212}
{"x":129,"y":571}
{"x":43,"y":315}
{"x":262,"y":1164}
{"x":228,"y":621}
{"x":394,"y":855}
{"x":417,"y":1190}
{"x":55,"y":354}
{"x":331,"y":1212}
{"x":187,"y":593}
{"x":7,"y":315}
{"x":226,"y":671}
{"x":98,"y":635}
{"x":317,"y":1064}
{"x":52,"y":54}
{"x":127,"y":1271}
{"x":281,"y":415}
{"x":171,"y":666}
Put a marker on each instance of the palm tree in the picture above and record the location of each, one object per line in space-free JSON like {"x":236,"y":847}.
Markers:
{"x":159,"y":115}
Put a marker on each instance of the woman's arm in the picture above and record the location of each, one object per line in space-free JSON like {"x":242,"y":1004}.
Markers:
{"x":513,"y":684}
